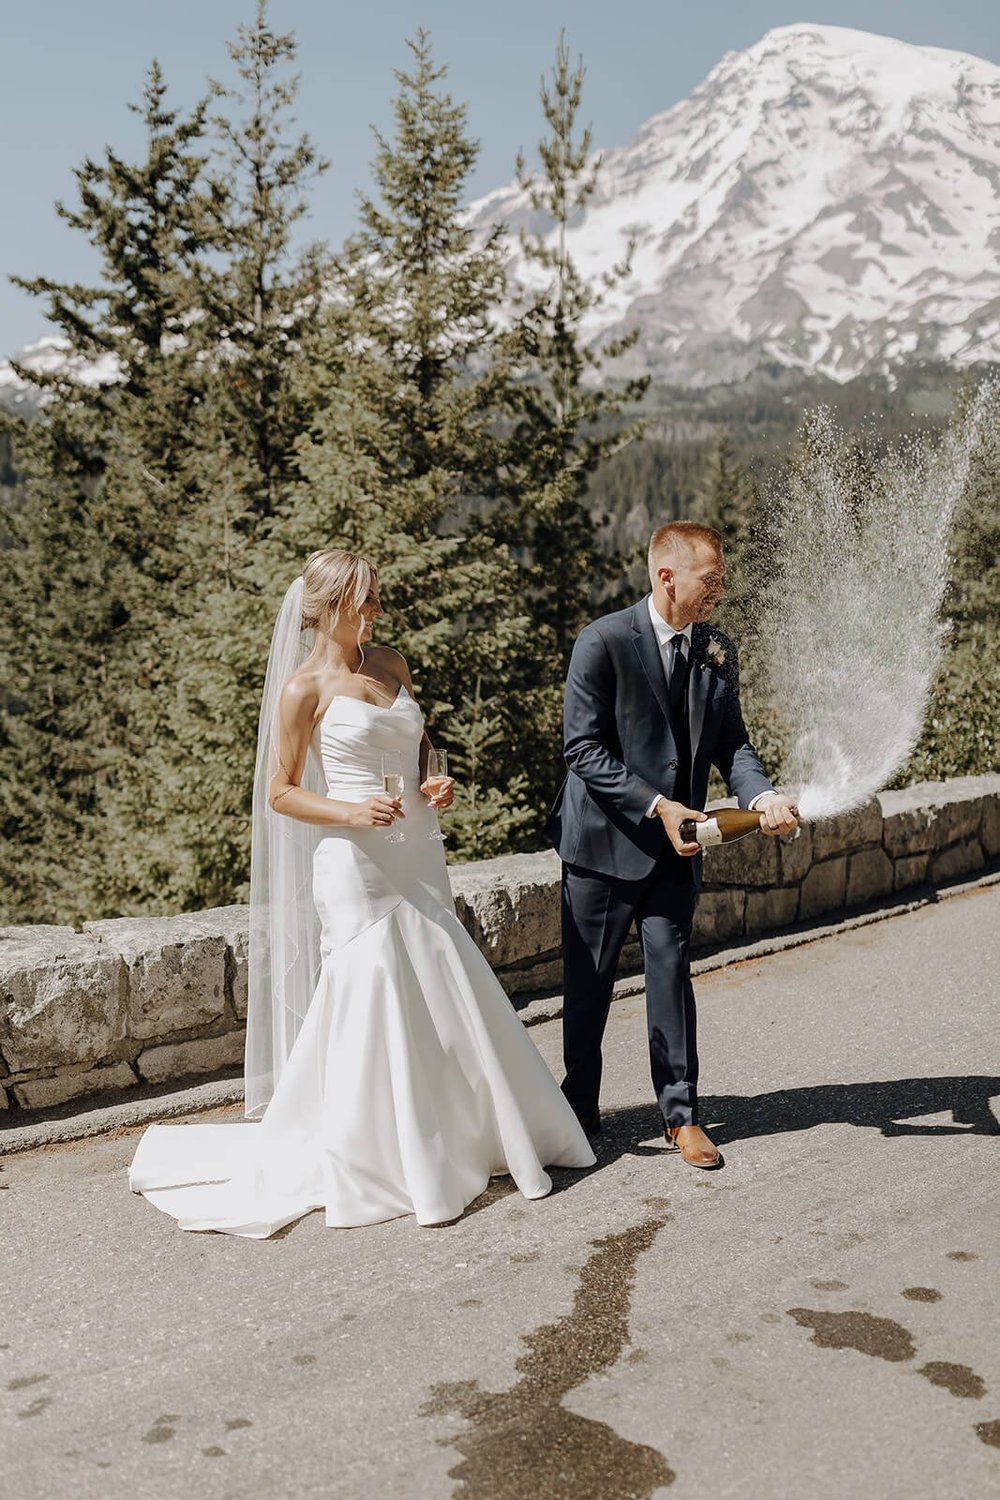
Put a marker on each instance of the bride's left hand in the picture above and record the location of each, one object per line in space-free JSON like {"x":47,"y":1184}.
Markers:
{"x":444,"y":796}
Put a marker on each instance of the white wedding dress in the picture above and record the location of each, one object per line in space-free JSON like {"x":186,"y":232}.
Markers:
{"x":412,"y":1081}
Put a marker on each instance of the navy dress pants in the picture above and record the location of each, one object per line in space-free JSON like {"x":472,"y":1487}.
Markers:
{"x":597,"y":913}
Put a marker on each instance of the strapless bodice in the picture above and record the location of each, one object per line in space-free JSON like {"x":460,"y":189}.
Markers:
{"x":354,"y":735}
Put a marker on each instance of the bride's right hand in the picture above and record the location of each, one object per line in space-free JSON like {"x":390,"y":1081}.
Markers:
{"x":377,"y":812}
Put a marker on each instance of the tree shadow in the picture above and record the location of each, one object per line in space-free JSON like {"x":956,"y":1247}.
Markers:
{"x":888,"y":1106}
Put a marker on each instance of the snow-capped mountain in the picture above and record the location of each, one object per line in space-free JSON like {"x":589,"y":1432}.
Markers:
{"x":48,"y":356}
{"x":827,"y":199}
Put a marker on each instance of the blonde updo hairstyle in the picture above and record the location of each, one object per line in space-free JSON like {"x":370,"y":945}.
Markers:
{"x":334,"y":580}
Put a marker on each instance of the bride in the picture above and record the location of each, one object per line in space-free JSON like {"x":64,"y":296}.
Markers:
{"x":390,"y":1071}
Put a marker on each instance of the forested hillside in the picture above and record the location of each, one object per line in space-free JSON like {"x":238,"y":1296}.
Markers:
{"x":268,"y":401}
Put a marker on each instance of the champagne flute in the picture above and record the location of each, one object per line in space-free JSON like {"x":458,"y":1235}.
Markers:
{"x":392,"y":785}
{"x":437,"y":775}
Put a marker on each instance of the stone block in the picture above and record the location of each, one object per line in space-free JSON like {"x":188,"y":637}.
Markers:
{"x":62,"y":998}
{"x":795,"y":856}
{"x":932,"y":815}
{"x":185,"y":1059}
{"x":848,"y":831}
{"x":869,"y":876}
{"x":542,"y":978}
{"x":824,"y":889}
{"x":910,"y":870}
{"x":989,"y":827}
{"x":718,"y":917}
{"x":769,"y":910}
{"x":233,"y":922}
{"x":960,"y":859}
{"x":46,"y":1093}
{"x":176,"y":970}
{"x":749,"y":861}
{"x":4,"y":1101}
{"x":510,"y":906}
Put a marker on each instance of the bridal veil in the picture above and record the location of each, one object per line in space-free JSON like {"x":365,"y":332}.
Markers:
{"x":284,"y":960}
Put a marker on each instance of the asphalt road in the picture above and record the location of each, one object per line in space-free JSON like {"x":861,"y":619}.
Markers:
{"x":817,"y":1319}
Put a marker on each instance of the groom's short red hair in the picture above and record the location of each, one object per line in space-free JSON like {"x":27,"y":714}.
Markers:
{"x":683,"y":537}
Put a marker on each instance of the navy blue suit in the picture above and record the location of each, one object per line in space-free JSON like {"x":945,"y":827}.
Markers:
{"x":622,"y":750}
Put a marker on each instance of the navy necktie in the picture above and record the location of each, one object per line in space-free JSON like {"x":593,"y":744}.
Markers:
{"x":678,"y":679}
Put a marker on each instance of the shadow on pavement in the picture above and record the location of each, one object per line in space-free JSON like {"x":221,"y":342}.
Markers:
{"x":888,"y":1106}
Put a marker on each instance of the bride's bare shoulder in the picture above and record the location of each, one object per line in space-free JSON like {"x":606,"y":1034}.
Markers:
{"x":388,"y":662}
{"x":301,"y":693}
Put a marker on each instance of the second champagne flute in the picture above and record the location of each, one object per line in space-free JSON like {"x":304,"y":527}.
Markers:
{"x":392,"y":785}
{"x":437,"y":775}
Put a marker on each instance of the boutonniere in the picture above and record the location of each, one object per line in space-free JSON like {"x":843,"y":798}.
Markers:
{"x":715,"y":653}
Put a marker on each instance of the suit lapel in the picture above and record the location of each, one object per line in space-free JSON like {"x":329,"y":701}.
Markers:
{"x":648,"y":651}
{"x":700,"y":682}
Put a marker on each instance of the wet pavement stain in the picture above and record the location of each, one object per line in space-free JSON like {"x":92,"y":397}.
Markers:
{"x":161,"y":1430}
{"x":959,"y":1380}
{"x":882,"y":1338}
{"x":24,"y":1381}
{"x":522,"y":1443}
{"x":37,"y":1407}
{"x":989,"y":1433}
{"x":962,"y":1255}
{"x":922,"y":1294}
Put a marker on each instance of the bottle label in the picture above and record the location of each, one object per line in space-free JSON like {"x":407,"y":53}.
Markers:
{"x":709,"y":833}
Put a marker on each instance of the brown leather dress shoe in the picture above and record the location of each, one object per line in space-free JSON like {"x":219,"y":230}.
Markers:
{"x":694,"y":1145}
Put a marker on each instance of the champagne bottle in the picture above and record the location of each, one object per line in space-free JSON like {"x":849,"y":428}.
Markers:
{"x":723,"y":827}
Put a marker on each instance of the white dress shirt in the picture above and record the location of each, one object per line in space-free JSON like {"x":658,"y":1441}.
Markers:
{"x":664,"y":636}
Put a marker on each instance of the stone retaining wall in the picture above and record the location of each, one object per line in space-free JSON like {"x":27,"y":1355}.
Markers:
{"x":156,"y":999}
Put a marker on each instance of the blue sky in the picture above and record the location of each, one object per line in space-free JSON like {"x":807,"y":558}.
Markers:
{"x":69,"y":70}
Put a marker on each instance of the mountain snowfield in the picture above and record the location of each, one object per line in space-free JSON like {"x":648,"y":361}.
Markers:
{"x":826,"y":200}
{"x":48,"y":357}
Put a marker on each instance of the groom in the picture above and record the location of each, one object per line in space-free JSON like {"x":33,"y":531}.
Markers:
{"x":652,"y":700}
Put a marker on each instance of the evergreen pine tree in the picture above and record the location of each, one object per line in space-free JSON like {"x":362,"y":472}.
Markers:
{"x":563,"y":424}
{"x":728,"y":499}
{"x":57,"y":627}
{"x":102,"y":488}
{"x":961,"y":730}
{"x":569,"y":420}
{"x":406,"y":372}
{"x":256,"y":297}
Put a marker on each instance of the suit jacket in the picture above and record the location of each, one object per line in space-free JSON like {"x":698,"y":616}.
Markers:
{"x":619,"y":745}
